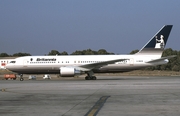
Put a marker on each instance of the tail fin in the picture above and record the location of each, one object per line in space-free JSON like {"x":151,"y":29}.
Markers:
{"x":157,"y":43}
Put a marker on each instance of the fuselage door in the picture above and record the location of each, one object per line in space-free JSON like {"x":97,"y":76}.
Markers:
{"x":131,"y":61}
{"x":25,"y":62}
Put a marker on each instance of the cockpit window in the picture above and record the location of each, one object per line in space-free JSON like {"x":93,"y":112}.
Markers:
{"x":13,"y":62}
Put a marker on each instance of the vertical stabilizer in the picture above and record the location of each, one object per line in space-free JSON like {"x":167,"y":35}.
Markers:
{"x":157,"y":43}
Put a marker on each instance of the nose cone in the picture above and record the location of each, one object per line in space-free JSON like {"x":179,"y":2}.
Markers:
{"x":9,"y":66}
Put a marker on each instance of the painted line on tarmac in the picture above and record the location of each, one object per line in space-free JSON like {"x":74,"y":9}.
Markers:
{"x":97,"y":107}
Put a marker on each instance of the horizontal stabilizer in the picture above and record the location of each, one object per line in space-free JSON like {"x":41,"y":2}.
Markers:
{"x":160,"y":59}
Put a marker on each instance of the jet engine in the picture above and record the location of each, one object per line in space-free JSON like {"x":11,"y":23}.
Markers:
{"x":69,"y":72}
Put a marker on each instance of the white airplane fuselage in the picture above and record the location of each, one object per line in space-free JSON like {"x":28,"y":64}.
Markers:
{"x":52,"y":64}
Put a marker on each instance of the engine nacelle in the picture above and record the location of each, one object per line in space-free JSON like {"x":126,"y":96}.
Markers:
{"x":69,"y":72}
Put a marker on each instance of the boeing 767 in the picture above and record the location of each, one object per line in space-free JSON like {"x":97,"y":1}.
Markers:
{"x":71,"y":65}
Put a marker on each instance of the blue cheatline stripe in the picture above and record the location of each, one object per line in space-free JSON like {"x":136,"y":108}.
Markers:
{"x":99,"y":104}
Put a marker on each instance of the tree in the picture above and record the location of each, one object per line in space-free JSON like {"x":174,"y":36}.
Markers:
{"x":103,"y":52}
{"x":64,"y":53}
{"x":134,"y":51}
{"x":54,"y":52}
{"x":4,"y":55}
{"x":84,"y":52}
{"x":172,"y":61}
{"x":89,"y":52}
{"x":77,"y":53}
{"x":176,"y":68}
{"x":21,"y":54}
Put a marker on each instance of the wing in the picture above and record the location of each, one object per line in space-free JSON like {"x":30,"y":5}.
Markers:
{"x":91,"y":66}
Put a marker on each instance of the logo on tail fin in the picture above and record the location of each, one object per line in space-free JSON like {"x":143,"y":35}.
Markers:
{"x":160,"y":42}
{"x":157,"y":43}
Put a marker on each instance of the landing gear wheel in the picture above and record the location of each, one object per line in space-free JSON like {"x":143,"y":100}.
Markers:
{"x":21,"y":79}
{"x":90,"y":78}
{"x":93,"y":78}
{"x":87,"y":78}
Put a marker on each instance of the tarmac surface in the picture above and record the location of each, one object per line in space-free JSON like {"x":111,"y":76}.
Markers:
{"x":106,"y":96}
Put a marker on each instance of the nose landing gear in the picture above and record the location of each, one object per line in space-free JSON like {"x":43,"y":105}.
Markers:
{"x":21,"y":77}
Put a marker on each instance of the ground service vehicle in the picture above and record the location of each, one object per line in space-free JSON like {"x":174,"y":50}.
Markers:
{"x":32,"y":77}
{"x":47,"y":76}
{"x":10,"y":76}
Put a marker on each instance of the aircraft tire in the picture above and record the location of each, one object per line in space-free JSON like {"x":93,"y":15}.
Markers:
{"x":88,"y":78}
{"x":21,"y":79}
{"x":93,"y":77}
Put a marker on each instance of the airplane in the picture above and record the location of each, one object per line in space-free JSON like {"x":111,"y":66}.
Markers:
{"x":71,"y":65}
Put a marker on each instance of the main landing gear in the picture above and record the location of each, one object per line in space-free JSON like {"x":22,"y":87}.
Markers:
{"x":90,"y":76}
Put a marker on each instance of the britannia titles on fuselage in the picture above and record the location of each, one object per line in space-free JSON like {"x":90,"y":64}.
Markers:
{"x":46,"y":59}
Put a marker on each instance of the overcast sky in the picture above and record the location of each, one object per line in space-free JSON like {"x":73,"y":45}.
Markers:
{"x":119,"y":26}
